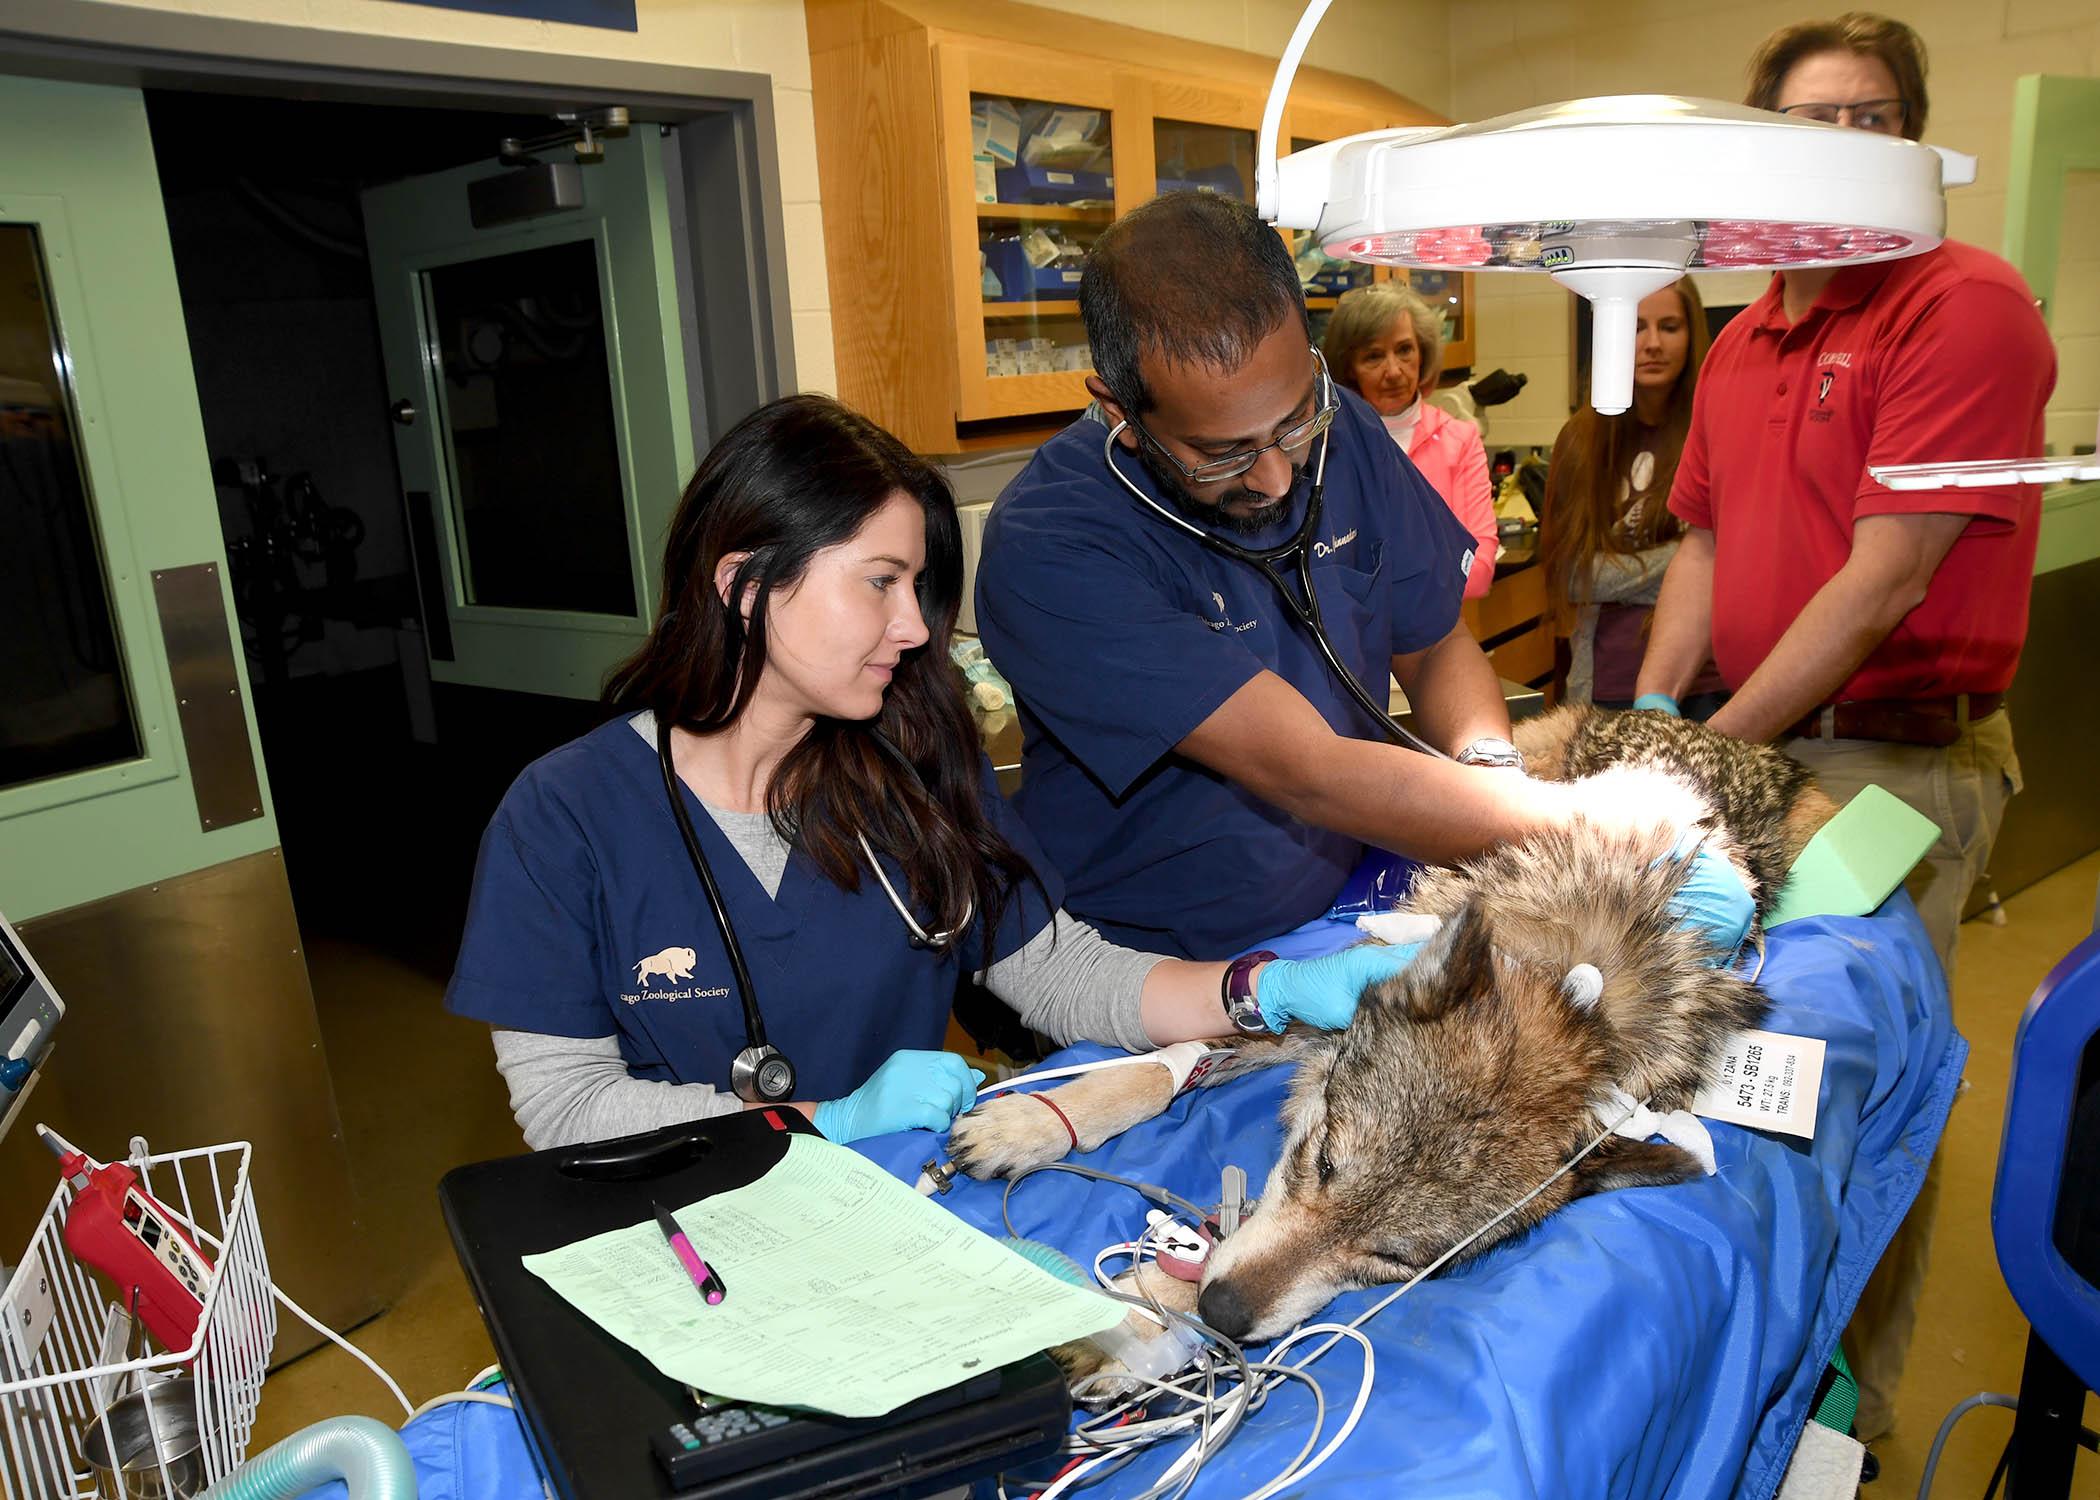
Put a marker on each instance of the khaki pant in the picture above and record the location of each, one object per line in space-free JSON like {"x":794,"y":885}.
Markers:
{"x":1963,"y":788}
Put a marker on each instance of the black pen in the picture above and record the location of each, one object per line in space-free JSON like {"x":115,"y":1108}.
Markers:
{"x":704,"y":1276}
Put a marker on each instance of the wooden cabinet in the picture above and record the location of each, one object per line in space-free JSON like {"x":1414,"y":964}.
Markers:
{"x":956,"y":320}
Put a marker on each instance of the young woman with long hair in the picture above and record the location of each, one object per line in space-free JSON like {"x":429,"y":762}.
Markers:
{"x":821,"y":745}
{"x":1606,"y":529}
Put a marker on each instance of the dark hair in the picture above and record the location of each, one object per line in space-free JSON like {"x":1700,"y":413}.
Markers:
{"x":1585,"y":501}
{"x":1900,"y":50}
{"x":1191,"y":278}
{"x":798,"y":475}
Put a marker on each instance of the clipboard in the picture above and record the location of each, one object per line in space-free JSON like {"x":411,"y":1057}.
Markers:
{"x":590,"y":1406}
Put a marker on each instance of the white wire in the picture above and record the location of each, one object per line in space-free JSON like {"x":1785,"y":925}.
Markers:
{"x":1939,"y":1439}
{"x":450,"y":1396}
{"x":336,"y":1338}
{"x":1296,"y":1474}
{"x":1068,"y":1071}
{"x":219,"y":1245}
{"x":1335,"y":1332}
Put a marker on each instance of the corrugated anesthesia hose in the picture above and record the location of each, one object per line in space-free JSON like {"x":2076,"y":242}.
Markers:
{"x":366,"y":1455}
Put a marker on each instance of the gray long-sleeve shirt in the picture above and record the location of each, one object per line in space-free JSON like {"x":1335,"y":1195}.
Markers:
{"x":1068,"y":982}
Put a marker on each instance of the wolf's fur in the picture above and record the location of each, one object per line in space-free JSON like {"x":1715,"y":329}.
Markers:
{"x":1470,"y":1078}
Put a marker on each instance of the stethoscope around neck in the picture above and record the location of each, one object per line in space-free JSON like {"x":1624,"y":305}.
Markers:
{"x":1265,"y":560}
{"x":761,"y":1073}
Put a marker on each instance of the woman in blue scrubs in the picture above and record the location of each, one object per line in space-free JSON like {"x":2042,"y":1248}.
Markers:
{"x":826,"y":759}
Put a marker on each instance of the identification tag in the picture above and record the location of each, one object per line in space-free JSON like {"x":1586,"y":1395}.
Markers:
{"x":1766,"y":1080}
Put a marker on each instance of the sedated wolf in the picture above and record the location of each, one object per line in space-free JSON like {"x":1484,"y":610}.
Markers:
{"x":1469,"y":1078}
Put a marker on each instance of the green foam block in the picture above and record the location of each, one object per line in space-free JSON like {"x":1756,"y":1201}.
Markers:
{"x":1856,"y":860}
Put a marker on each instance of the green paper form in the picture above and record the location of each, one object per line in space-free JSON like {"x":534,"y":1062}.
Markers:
{"x":847,"y":1291}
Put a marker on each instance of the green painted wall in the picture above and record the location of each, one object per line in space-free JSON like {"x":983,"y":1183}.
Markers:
{"x":90,"y":186}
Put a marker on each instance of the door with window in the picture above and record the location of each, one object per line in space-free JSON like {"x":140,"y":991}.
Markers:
{"x":126,"y":741}
{"x":138,"y":846}
{"x":543,"y":427}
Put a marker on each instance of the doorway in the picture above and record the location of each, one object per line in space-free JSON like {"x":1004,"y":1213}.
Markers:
{"x":368,"y":757}
{"x":376,"y":775}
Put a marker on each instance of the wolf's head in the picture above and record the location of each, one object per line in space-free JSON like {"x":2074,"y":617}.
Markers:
{"x":1462,"y":1084}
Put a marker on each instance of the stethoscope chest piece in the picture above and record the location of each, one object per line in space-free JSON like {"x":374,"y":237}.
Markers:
{"x":762,"y":1075}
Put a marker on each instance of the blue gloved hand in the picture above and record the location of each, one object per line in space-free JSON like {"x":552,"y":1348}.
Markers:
{"x":1714,"y":901}
{"x":1661,"y":703}
{"x":910,"y":1091}
{"x":1323,"y":991}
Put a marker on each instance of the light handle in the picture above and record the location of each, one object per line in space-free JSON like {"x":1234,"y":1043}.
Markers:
{"x":1265,"y":196}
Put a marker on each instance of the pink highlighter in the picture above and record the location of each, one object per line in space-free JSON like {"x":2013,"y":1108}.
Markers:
{"x":704,"y":1277}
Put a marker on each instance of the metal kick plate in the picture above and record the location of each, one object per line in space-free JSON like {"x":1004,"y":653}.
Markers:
{"x":207,"y":694}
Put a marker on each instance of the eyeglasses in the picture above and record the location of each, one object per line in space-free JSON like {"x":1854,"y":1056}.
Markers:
{"x":1290,"y":444}
{"x":1884,"y":116}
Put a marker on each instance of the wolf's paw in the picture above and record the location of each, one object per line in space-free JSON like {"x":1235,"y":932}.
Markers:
{"x":1007,"y":1135}
{"x":1108,"y":1379}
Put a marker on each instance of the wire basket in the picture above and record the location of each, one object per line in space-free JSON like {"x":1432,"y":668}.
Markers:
{"x":66,"y":1343}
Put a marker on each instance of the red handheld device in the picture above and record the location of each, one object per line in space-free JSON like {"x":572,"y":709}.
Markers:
{"x":115,"y":1226}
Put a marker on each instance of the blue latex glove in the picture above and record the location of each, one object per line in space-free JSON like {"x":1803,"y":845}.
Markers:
{"x":1714,"y":901}
{"x":1323,"y":991}
{"x":1661,"y":703}
{"x":910,"y":1091}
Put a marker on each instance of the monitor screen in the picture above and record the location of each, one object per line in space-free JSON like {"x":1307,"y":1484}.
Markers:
{"x":14,"y":974}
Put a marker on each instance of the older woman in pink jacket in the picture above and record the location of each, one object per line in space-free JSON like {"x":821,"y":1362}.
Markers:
{"x":1387,"y":344}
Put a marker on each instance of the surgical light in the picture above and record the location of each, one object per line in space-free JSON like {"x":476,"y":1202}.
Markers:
{"x":1614,"y":197}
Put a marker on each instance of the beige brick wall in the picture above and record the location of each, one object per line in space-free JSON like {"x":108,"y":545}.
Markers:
{"x":1509,"y":54}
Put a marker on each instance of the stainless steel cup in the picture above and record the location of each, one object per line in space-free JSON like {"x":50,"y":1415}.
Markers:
{"x":142,"y":1444}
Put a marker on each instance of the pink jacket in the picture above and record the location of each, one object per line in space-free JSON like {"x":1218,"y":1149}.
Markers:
{"x":1449,"y":453}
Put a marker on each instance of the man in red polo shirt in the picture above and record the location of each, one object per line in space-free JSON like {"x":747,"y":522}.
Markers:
{"x":1875,"y":631}
{"x":1879,"y":628}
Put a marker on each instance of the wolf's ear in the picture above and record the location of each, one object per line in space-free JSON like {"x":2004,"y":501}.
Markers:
{"x":1620,"y":1163}
{"x":1455,"y":966}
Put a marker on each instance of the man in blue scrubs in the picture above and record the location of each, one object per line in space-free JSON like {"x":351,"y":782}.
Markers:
{"x":1190,"y":762}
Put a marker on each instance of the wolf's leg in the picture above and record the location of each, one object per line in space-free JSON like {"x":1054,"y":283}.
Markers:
{"x":1543,"y":740}
{"x":1811,"y":810}
{"x":1013,"y":1132}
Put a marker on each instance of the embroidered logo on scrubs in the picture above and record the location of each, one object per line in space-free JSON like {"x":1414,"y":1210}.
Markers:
{"x":1224,"y":622}
{"x":673,"y":963}
{"x":1333,"y":544}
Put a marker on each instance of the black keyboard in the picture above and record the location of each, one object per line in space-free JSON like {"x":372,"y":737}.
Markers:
{"x":737,"y":1449}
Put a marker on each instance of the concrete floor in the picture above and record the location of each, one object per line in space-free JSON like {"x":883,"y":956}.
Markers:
{"x":419,"y":1094}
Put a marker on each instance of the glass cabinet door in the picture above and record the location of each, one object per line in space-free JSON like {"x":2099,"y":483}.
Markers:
{"x":1044,"y":184}
{"x":1192,"y":155}
{"x":1031,"y":167}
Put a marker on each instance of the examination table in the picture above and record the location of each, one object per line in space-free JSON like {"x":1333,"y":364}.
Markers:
{"x":1642,"y":1343}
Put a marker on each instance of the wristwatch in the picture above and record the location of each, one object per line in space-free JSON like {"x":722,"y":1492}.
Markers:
{"x":1236,"y":993}
{"x":1491,"y":750}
